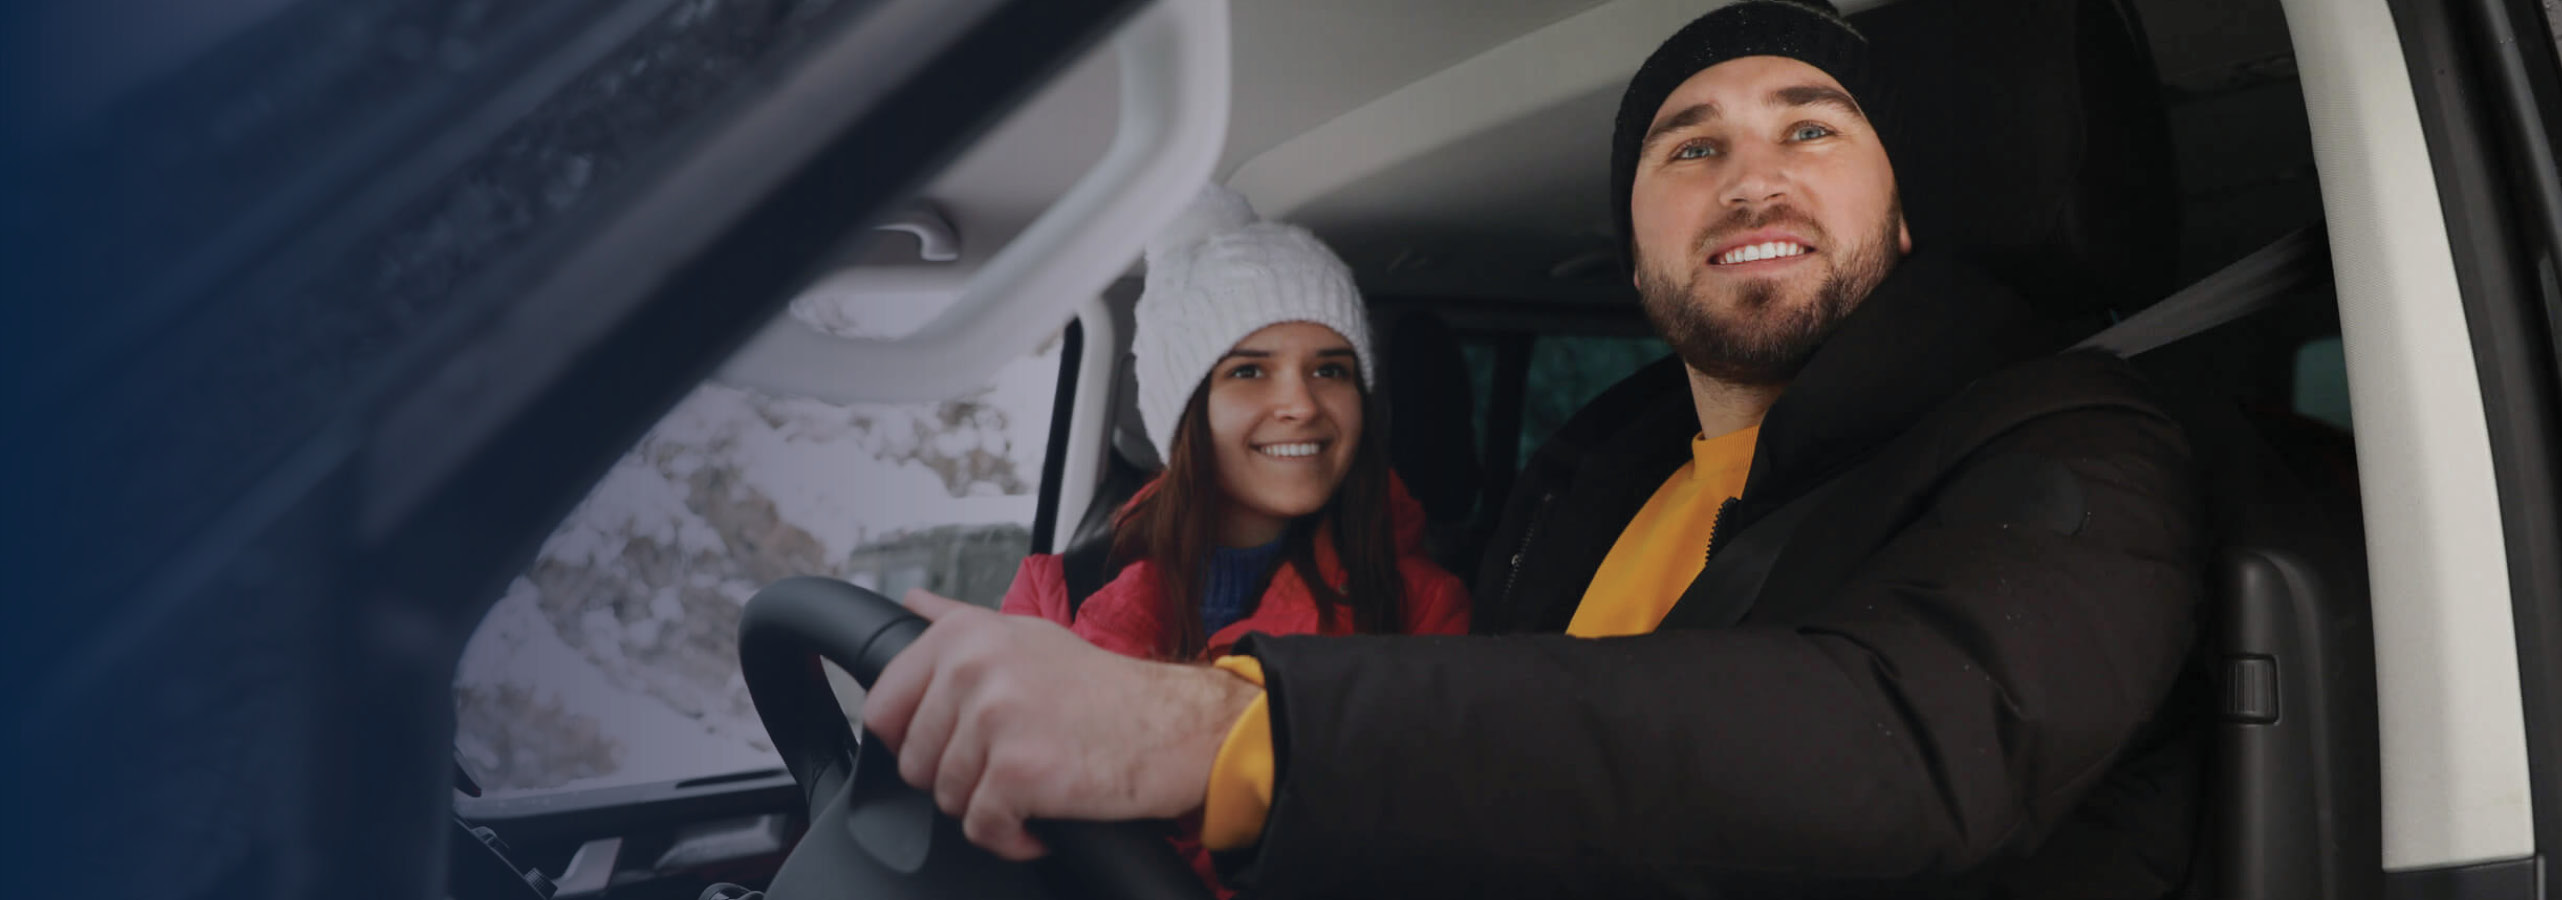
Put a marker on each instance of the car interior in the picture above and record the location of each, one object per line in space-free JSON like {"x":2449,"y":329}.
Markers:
{"x":2096,"y":155}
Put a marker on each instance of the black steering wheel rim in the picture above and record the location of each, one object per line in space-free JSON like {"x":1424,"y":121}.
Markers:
{"x":783,"y":633}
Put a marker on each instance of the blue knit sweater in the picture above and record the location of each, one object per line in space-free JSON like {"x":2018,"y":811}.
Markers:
{"x":1234,"y":573}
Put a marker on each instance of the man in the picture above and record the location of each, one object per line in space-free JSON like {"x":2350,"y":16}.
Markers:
{"x":1869,"y":593}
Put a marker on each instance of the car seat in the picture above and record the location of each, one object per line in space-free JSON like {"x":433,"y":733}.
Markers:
{"x":1432,"y":432}
{"x":1128,"y":465}
{"x":2031,"y":137}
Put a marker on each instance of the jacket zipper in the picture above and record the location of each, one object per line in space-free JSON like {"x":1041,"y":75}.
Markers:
{"x":1717,"y":529}
{"x":1540,"y":517}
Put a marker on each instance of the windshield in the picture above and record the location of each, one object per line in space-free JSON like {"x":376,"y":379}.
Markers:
{"x":613,"y":659}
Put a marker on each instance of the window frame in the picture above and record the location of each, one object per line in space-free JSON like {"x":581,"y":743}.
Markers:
{"x":2490,"y":109}
{"x":1513,"y":326}
{"x":2486,"y":111}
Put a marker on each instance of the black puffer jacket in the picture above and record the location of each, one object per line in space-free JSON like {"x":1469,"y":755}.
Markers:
{"x":1953,"y":682}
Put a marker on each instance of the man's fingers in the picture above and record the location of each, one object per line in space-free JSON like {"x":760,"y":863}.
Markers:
{"x":990,"y":824}
{"x":1001,"y":718}
{"x":894,"y":696}
{"x":931,"y":605}
{"x":929,"y":731}
{"x":964,"y":762}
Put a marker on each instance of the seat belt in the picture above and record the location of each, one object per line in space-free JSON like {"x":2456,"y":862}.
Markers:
{"x":1084,"y":568}
{"x":1729,"y":585}
{"x":1086,"y":561}
{"x":2251,"y":284}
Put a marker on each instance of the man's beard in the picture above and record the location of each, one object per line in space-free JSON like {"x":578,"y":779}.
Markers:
{"x":1766,"y":342}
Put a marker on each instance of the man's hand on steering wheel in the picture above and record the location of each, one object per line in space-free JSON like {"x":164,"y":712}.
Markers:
{"x":1007,"y":718}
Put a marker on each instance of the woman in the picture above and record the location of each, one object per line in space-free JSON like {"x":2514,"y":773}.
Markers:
{"x":1276,"y":512}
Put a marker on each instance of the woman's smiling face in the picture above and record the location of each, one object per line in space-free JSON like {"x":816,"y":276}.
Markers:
{"x":1285,"y":415}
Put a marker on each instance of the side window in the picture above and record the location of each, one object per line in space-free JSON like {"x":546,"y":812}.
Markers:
{"x":1562,"y":372}
{"x":1567,"y":371}
{"x":613,"y":659}
{"x":2320,"y":383}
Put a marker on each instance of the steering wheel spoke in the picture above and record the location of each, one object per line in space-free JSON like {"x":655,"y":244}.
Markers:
{"x":871,"y":835}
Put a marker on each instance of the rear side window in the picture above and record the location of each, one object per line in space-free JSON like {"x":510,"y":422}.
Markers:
{"x":613,"y":660}
{"x":1567,"y":371}
{"x":2321,"y":382}
{"x":1563,"y":372}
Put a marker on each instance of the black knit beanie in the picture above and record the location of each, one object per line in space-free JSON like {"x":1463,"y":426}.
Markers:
{"x":1809,"y":31}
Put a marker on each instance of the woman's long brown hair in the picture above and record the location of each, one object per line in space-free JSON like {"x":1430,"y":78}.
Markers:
{"x":1173,"y":526}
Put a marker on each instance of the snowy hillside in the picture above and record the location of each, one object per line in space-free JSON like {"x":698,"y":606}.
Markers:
{"x":613,"y":660}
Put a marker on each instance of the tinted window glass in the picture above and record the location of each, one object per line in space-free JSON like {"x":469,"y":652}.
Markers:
{"x":2321,"y":381}
{"x":1567,"y":371}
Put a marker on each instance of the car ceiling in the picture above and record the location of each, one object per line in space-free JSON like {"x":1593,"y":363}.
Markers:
{"x":1459,"y":147}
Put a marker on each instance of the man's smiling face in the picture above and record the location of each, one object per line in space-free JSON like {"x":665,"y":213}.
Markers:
{"x":1764,"y":211}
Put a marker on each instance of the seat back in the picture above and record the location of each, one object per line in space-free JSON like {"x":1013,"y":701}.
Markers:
{"x":2078,"y":210}
{"x":2294,"y":806}
{"x":2292,"y":803}
{"x":1086,"y":560}
{"x":2031,"y":136}
{"x":2295,"y":796}
{"x":1432,"y":432}
{"x":1128,"y":465}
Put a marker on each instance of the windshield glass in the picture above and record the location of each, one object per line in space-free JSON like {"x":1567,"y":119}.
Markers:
{"x":613,"y":659}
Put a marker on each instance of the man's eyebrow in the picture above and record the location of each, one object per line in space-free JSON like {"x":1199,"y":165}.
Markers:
{"x":1816,"y":95}
{"x":1336,"y":351}
{"x":1248,"y":354}
{"x":1688,"y":116}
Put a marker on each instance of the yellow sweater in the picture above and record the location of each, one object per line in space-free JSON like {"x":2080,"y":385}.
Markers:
{"x":1653,"y":562}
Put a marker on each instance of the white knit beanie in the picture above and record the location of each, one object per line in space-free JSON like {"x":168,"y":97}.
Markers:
{"x":1217,"y":274}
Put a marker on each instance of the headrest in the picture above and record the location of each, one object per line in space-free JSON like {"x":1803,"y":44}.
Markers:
{"x":1129,"y":434}
{"x":2030,"y":136}
{"x":1432,"y":440}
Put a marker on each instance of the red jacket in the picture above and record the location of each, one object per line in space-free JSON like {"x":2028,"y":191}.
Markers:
{"x":1124,"y":616}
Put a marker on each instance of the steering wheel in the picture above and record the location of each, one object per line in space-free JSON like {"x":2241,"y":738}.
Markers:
{"x":872,"y":836}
